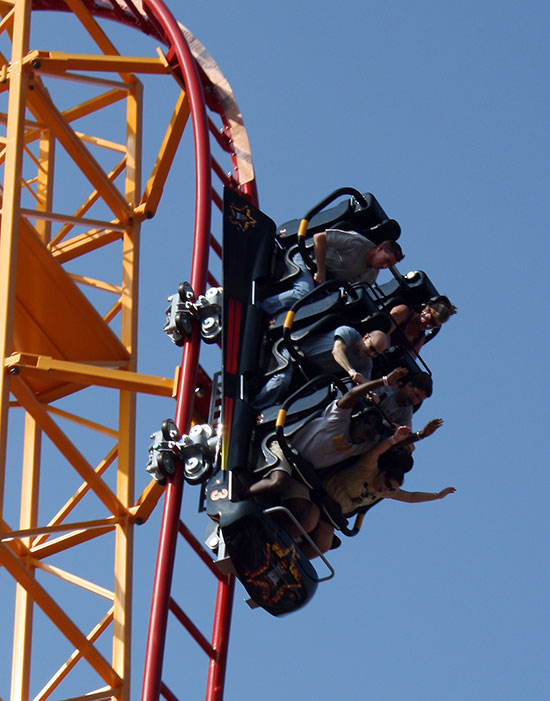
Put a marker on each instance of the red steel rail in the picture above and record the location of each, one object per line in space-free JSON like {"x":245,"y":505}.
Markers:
{"x":153,"y":17}
{"x":161,"y":600}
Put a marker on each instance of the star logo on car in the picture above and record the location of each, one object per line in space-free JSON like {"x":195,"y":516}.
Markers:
{"x":241,"y":217}
{"x":278,"y":576}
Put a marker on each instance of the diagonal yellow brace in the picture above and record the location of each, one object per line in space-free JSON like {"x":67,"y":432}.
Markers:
{"x":62,"y":673}
{"x":85,"y":206}
{"x":41,"y":103}
{"x":7,"y":21}
{"x":84,"y":243}
{"x":60,"y":619}
{"x":147,"y":501}
{"x":80,"y":493}
{"x":27,"y":399}
{"x":95,"y":31}
{"x":102,"y":523}
{"x":94,"y":104}
{"x":154,"y":188}
{"x":69,"y":541}
{"x":78,"y":111}
{"x":18,"y":548}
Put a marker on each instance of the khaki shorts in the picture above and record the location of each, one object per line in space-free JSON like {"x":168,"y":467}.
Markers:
{"x":295,"y":488}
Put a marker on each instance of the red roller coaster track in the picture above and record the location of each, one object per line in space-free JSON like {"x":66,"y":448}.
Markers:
{"x":202,"y":84}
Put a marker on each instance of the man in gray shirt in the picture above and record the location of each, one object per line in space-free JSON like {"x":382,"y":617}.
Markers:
{"x":347,"y":255}
{"x":343,"y":348}
{"x":350,"y":256}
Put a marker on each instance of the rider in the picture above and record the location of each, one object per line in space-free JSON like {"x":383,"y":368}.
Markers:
{"x":331,"y":352}
{"x":346,"y":255}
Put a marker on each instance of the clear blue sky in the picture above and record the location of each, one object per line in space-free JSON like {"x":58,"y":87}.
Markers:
{"x":441,"y":110}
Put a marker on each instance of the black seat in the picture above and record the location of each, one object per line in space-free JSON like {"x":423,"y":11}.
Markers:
{"x":414,"y":289}
{"x":397,"y":357}
{"x":302,"y":410}
{"x":283,"y":272}
{"x":350,"y":303}
{"x":294,"y":341}
{"x":371,"y":221}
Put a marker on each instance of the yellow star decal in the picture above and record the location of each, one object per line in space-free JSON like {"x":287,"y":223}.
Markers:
{"x":241,"y":217}
{"x":269,"y":588}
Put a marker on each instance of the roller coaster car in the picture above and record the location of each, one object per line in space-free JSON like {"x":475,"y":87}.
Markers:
{"x":269,"y":564}
{"x":271,"y":567}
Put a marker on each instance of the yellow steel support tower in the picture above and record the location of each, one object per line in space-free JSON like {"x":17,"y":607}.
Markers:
{"x":58,"y":343}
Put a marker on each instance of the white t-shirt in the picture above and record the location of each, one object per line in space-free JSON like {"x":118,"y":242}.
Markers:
{"x":325,"y":440}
